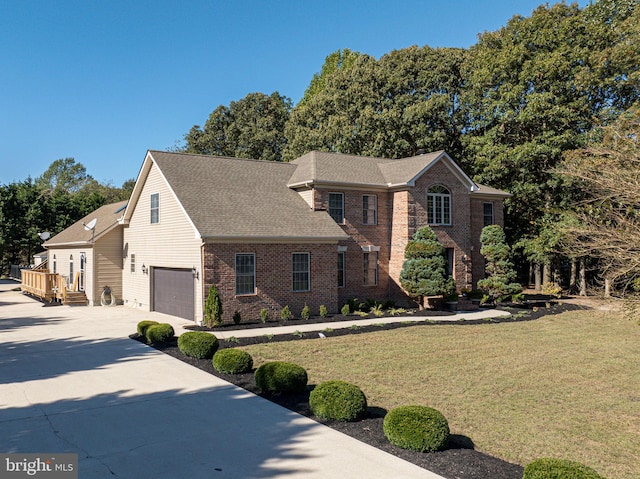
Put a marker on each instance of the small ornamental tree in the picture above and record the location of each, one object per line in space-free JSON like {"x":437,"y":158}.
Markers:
{"x":499,"y":268}
{"x":424,"y":271}
{"x":213,"y":308}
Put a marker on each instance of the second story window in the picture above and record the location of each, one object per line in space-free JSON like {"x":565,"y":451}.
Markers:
{"x":336,"y":207}
{"x":487,"y":213}
{"x":369,"y":209}
{"x":133,"y":262}
{"x":155,"y":208}
{"x":439,"y":205}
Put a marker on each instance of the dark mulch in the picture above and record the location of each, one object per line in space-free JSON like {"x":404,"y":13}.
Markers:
{"x":459,"y":461}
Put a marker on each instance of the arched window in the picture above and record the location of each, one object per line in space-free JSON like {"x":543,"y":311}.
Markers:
{"x":71,"y":269}
{"x":439,"y":205}
{"x":54,"y":264}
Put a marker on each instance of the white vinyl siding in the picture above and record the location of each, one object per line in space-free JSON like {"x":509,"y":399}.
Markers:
{"x":172,"y":243}
{"x":107,"y":264}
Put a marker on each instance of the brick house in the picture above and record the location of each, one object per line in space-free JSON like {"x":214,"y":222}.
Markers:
{"x":319,"y":230}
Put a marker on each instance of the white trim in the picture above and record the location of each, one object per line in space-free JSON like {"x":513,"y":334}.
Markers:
{"x":342,"y":249}
{"x":370,"y":248}
{"x":294,"y":272}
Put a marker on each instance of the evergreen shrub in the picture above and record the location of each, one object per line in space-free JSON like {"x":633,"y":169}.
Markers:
{"x":143,"y":325}
{"x":338,"y":400}
{"x":281,"y":377}
{"x":232,"y":361}
{"x":549,"y":468}
{"x":417,"y":428}
{"x":159,"y":333}
{"x":198,"y":344}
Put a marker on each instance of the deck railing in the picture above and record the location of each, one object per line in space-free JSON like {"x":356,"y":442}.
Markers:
{"x":40,"y":283}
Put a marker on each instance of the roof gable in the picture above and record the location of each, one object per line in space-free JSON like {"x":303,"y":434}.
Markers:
{"x":107,"y":218}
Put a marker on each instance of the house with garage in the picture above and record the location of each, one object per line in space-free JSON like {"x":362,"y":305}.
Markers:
{"x":86,"y":257}
{"x":320,"y":230}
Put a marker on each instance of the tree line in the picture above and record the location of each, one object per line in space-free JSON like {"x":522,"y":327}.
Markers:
{"x":516,"y":110}
{"x":62,"y":195}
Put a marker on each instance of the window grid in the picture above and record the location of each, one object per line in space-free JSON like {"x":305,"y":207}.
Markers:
{"x":341,"y":270}
{"x":336,"y":207}
{"x":369,"y":209}
{"x":487,"y":212}
{"x":71,"y":269}
{"x":155,"y":208}
{"x":245,"y":273}
{"x":439,"y":206}
{"x":300,"y":272}
{"x":133,"y":263}
{"x":55,"y":264}
{"x":370,"y":264}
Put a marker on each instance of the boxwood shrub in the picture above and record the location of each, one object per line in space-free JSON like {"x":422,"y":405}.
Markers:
{"x":281,"y":377}
{"x":549,"y":468}
{"x":198,"y":344}
{"x":143,"y":325}
{"x":417,"y":428}
{"x":232,"y":361}
{"x":159,"y":333}
{"x":338,"y":400}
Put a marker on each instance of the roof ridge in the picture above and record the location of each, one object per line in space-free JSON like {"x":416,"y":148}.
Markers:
{"x":221,"y":157}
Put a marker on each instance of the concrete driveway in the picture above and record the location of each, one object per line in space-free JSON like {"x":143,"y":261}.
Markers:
{"x":72,"y":382}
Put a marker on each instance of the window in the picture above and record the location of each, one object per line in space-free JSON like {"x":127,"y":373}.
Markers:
{"x":487,"y":212}
{"x":450,"y":253}
{"x":55,"y":264}
{"x":369,"y":209}
{"x":341,"y":278}
{"x":301,"y":272}
{"x":133,"y":262}
{"x":439,"y":206}
{"x":371,"y":268}
{"x":71,"y":269}
{"x":245,"y":273}
{"x":155,"y":208}
{"x":336,"y":207}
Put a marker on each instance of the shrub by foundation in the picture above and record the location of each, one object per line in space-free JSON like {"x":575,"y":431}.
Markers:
{"x":417,"y":428}
{"x":232,"y":361}
{"x":338,"y":400}
{"x":159,"y":333}
{"x":281,"y":377}
{"x":198,"y":344}
{"x":549,"y":468}
{"x":143,"y":325}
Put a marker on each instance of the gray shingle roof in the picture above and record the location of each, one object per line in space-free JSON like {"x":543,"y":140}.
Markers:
{"x":106,"y":219}
{"x":231,"y":198}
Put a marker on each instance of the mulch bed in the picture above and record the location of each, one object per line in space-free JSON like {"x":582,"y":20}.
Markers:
{"x":459,"y":461}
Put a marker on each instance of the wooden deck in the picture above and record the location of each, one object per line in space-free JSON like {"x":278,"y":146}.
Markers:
{"x":50,"y":287}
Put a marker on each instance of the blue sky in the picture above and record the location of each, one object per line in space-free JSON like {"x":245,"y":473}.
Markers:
{"x":103,"y":81}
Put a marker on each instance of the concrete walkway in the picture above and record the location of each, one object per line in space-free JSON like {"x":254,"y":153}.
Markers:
{"x":72,"y":382}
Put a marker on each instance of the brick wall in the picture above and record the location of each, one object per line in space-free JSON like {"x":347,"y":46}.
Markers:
{"x":274,"y":283}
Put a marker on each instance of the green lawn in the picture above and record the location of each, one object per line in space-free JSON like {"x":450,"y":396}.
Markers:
{"x":564,"y":386}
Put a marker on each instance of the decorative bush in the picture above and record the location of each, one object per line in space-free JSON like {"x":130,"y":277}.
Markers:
{"x":338,"y":400}
{"x":306,"y":313}
{"x":323,"y":311}
{"x":418,"y":428}
{"x":281,"y":377}
{"x":232,"y":361}
{"x":213,"y":308}
{"x":264,"y":315}
{"x":198,"y":344}
{"x":346,"y":310}
{"x":237,"y":317}
{"x":144,"y":325}
{"x":548,"y":468}
{"x":285,"y":314}
{"x":159,"y":333}
{"x":500,"y":271}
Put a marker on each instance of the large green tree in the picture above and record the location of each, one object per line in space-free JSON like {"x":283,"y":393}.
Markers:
{"x":252,"y":127}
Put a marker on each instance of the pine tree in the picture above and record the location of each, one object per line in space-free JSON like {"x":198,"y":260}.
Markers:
{"x":213,"y":308}
{"x":499,"y":268}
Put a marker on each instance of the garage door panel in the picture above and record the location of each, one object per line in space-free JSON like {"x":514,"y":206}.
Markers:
{"x":173,"y":292}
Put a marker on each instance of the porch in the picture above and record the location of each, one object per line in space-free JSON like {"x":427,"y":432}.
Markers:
{"x":51,"y":286}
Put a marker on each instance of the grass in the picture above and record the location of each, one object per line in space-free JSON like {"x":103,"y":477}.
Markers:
{"x":564,"y":386}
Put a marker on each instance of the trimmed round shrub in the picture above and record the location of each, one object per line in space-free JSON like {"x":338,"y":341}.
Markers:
{"x":417,"y":428}
{"x":232,"y":361}
{"x":338,"y":400}
{"x":159,"y":333}
{"x":144,"y":325}
{"x":281,"y":377}
{"x":549,"y":468}
{"x":198,"y":344}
